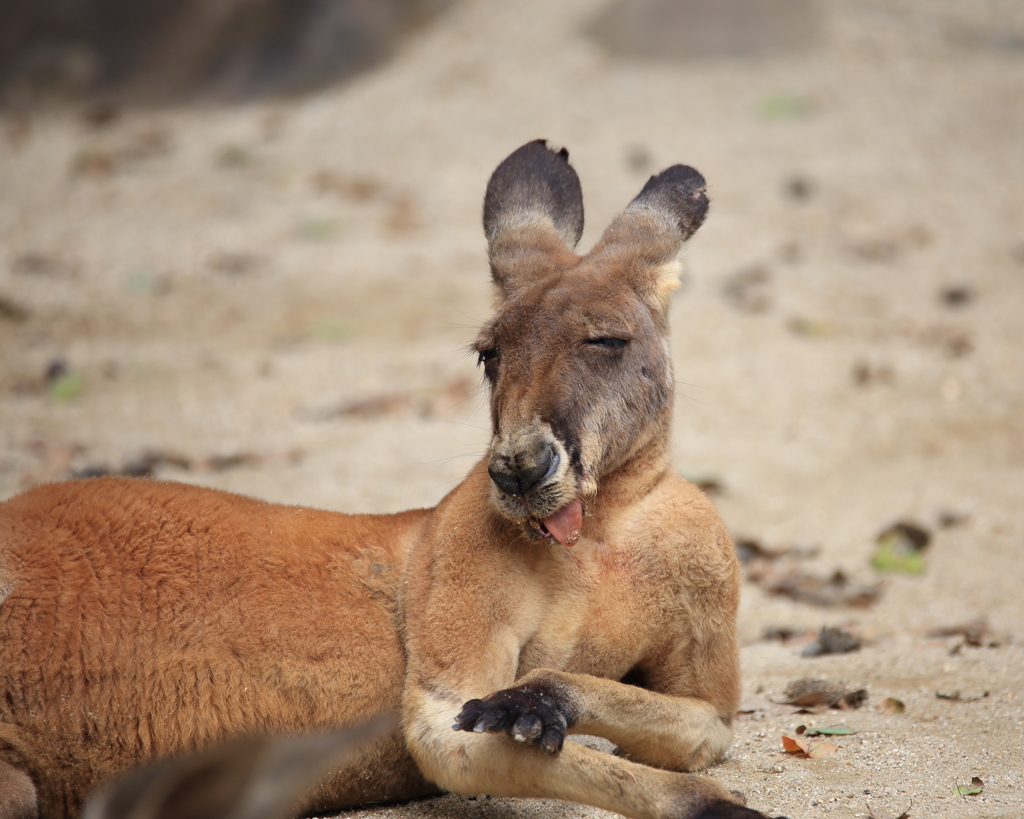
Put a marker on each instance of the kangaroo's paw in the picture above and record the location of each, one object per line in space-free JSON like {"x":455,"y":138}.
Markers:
{"x":532,"y":714}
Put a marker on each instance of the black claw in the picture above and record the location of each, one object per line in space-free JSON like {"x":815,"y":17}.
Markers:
{"x":472,"y":705}
{"x":551,"y":740}
{"x":528,"y":728}
{"x":468,"y":716}
{"x":493,"y":720}
{"x":531,"y":714}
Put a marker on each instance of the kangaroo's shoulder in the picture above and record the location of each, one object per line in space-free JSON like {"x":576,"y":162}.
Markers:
{"x":677,"y":527}
{"x":680,"y":511}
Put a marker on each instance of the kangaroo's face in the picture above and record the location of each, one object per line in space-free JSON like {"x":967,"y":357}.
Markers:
{"x":576,"y":355}
{"x":580,"y":380}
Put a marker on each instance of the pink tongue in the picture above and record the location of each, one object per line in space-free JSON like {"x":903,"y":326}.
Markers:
{"x":566,"y":523}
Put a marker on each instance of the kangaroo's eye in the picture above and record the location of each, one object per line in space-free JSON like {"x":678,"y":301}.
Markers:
{"x":609,"y":341}
{"x":483,"y":356}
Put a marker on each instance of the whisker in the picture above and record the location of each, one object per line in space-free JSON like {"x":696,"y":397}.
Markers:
{"x":463,"y":424}
{"x":460,"y":480}
{"x":679,"y":383}
{"x":476,"y":322}
{"x":689,"y":397}
{"x":688,"y":384}
{"x":444,"y":461}
{"x":461,"y":401}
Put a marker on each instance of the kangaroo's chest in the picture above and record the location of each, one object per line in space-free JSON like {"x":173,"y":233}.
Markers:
{"x":597,"y":612}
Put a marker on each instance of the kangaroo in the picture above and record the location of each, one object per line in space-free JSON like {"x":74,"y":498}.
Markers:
{"x":572,"y":583}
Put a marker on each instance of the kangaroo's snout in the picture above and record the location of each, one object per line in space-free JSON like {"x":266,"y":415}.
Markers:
{"x":517,"y":473}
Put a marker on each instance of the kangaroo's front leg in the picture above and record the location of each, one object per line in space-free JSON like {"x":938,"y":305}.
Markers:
{"x":677,"y":733}
{"x":464,"y":637}
{"x":492,"y":763}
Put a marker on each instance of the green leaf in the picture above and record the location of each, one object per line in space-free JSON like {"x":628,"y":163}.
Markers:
{"x":900,"y":549}
{"x":976,"y":787}
{"x":836,"y":731}
{"x":786,"y":106}
{"x":317,"y":230}
{"x":329,"y":329}
{"x":67,"y":387}
{"x":234,"y":156}
{"x":886,"y":559}
{"x":143,"y":281}
{"x":812,"y":328}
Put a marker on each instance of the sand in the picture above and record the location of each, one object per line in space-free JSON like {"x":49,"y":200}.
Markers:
{"x":276,"y":299}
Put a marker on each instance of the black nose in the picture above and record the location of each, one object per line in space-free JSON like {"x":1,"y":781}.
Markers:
{"x":519,"y":474}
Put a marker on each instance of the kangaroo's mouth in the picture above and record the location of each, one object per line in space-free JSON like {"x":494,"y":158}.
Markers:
{"x":533,"y":484}
{"x":564,"y":525}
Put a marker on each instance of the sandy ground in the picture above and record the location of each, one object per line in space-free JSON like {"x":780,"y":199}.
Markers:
{"x":276,"y":299}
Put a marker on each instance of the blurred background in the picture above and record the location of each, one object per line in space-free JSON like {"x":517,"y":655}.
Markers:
{"x":240,"y":246}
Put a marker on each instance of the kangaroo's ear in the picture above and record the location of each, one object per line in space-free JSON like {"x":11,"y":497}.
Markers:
{"x":649,"y":234}
{"x":533,"y":215}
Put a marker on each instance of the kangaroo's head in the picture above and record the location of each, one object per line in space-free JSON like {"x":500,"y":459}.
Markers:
{"x":576,"y":354}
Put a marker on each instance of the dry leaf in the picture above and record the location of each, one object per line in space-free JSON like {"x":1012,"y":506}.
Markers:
{"x":891,"y":705}
{"x":12,"y":311}
{"x":758,"y":707}
{"x":957,"y":696}
{"x":791,"y":746}
{"x":852,"y":699}
{"x":803,"y":587}
{"x":975,"y":633}
{"x":812,"y":693}
{"x":832,"y":640}
{"x":808,"y":748}
{"x":785,"y":634}
{"x":820,"y":747}
{"x":748,"y":549}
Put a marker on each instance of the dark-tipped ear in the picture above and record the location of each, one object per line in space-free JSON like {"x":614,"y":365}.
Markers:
{"x":680,"y":194}
{"x":649,"y":234}
{"x":533,"y":214}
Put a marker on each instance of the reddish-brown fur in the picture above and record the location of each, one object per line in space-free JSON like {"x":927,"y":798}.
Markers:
{"x":148,"y":618}
{"x":140,"y":619}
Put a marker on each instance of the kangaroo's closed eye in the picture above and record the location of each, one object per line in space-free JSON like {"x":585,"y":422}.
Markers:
{"x":608,"y":341}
